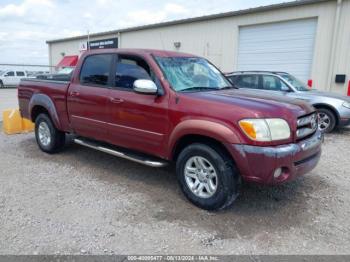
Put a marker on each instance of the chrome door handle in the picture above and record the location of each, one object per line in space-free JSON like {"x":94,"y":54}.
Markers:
{"x":116,"y":100}
{"x":73,"y":93}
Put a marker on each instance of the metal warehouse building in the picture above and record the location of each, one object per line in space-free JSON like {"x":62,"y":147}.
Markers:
{"x":308,"y":38}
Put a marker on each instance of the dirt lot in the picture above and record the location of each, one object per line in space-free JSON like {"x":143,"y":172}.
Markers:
{"x":83,"y":201}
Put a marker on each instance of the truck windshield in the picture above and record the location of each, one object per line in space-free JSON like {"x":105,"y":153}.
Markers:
{"x":192,"y":74}
{"x":299,"y":85}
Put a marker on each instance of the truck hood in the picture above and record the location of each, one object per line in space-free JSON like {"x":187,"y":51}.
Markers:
{"x":315,"y":93}
{"x":259,"y":102}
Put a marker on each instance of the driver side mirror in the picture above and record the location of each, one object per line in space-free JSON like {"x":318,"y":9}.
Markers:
{"x":145,"y":86}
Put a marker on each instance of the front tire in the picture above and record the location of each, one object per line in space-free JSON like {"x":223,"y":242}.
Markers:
{"x":48,"y":137}
{"x":207,"y":176}
{"x":326,"y":120}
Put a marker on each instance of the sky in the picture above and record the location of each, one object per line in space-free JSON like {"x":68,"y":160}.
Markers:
{"x":25,"y":25}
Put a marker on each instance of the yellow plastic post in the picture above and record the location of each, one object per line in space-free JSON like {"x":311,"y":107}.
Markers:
{"x":12,"y":121}
{"x":27,"y":125}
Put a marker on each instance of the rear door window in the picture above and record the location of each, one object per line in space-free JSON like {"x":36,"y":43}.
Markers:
{"x":95,"y":70}
{"x":247,"y":81}
{"x":20,"y":73}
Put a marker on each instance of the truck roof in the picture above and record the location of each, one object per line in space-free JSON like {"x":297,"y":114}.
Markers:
{"x":162,"y":53}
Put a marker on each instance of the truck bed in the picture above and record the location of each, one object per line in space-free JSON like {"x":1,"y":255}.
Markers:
{"x":55,"y":90}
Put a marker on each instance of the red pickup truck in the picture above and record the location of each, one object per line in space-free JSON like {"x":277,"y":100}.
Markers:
{"x":156,"y":107}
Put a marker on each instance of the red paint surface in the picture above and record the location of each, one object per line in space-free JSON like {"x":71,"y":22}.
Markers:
{"x":155,"y":124}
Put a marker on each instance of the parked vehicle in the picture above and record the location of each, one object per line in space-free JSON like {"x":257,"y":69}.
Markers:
{"x":333,"y":109}
{"x":11,"y":77}
{"x":154,"y":107}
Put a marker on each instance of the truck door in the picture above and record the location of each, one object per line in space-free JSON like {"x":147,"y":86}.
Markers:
{"x":88,"y":95}
{"x":137,"y":121}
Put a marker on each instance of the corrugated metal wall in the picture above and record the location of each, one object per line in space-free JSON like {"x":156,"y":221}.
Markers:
{"x":218,"y":39}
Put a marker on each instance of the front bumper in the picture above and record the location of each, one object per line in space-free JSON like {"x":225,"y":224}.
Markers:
{"x":344,"y":116}
{"x":258,"y":164}
{"x":344,"y":122}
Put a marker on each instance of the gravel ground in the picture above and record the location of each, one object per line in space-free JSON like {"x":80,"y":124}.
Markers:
{"x":83,"y":201}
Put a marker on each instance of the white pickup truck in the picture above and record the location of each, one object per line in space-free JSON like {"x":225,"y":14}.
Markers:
{"x":11,"y":77}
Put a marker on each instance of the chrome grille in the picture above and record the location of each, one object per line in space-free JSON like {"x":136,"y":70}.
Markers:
{"x":306,"y":125}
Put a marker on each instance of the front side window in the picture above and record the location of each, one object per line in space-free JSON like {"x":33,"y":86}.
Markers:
{"x":273,"y":83}
{"x":11,"y":73}
{"x":20,"y":73}
{"x":299,"y":85}
{"x":247,"y":81}
{"x":191,"y":73}
{"x":129,"y":70}
{"x":95,"y":70}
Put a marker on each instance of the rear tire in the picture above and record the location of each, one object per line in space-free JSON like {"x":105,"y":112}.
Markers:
{"x":48,"y":137}
{"x":327,"y":120}
{"x":207,"y":176}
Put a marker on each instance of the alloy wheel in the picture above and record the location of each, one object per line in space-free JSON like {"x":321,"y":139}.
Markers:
{"x":201,"y":177}
{"x":324,"y":121}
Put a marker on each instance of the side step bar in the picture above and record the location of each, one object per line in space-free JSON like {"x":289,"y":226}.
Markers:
{"x":138,"y":158}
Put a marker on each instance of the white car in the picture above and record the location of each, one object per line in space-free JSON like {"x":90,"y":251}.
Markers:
{"x":11,"y":77}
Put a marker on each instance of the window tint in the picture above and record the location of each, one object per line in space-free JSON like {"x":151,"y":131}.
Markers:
{"x":11,"y":73}
{"x":247,"y":81}
{"x":20,"y":73}
{"x":273,"y":83}
{"x":95,"y":70}
{"x":129,"y":70}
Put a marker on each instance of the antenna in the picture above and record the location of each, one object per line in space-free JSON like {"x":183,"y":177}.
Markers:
{"x":88,"y":41}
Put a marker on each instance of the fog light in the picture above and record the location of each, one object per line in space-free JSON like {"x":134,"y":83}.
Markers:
{"x":278,"y":173}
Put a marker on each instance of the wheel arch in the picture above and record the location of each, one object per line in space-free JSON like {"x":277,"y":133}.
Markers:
{"x":201,"y":131}
{"x":330,"y":108}
{"x":40,"y":103}
{"x":189,"y":139}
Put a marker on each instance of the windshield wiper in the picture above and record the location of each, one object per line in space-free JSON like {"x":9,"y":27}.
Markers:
{"x":228,"y":87}
{"x":198,"y":88}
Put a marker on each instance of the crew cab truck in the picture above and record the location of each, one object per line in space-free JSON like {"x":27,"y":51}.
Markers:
{"x":11,"y":77}
{"x":155,"y":107}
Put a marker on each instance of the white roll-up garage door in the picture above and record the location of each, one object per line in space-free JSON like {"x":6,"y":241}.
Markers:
{"x":284,"y":46}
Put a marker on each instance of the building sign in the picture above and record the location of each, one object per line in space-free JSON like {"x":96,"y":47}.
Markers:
{"x":104,"y":43}
{"x":82,"y":46}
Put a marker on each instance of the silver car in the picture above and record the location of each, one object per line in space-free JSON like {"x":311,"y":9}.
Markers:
{"x":333,"y":109}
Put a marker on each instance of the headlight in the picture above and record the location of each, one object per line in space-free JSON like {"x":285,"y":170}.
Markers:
{"x":346,"y":104}
{"x":270,"y":129}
